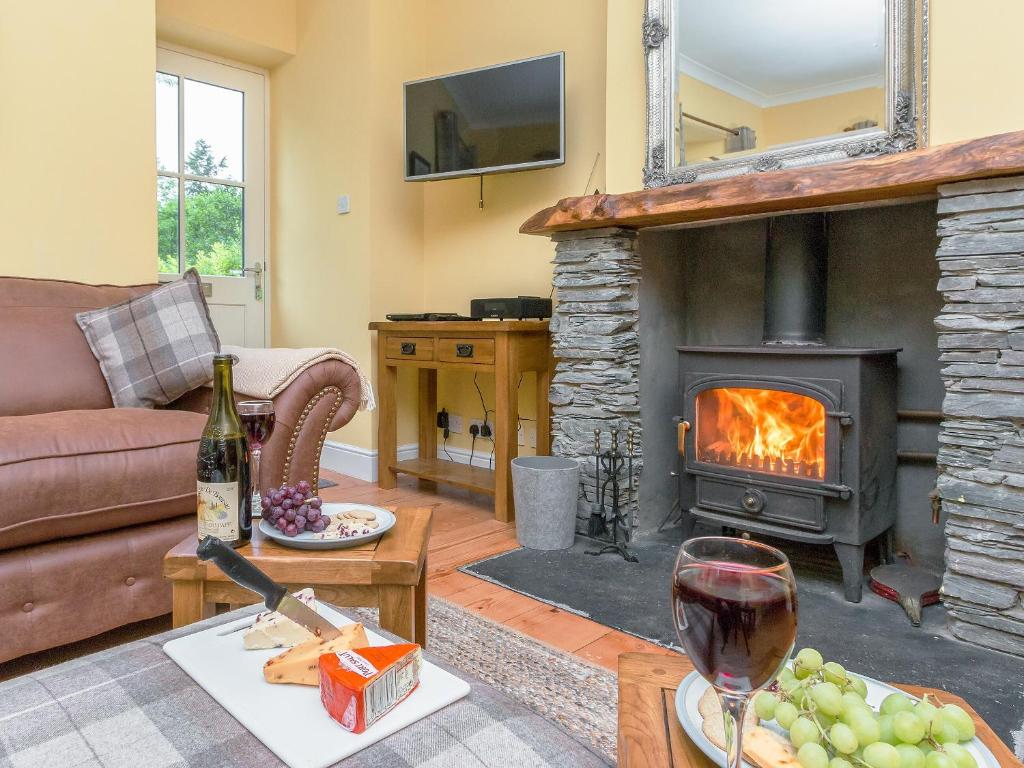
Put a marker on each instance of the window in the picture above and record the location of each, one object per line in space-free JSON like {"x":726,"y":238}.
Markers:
{"x":210,"y":166}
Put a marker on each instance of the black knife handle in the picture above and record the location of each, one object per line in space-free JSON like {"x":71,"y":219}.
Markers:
{"x":241,"y":571}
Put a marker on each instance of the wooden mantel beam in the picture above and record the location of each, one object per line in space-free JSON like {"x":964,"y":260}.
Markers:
{"x":889,"y":177}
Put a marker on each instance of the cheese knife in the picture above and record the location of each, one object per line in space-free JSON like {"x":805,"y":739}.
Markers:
{"x":277,"y":598}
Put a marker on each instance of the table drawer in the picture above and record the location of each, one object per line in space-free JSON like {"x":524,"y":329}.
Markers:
{"x":409,"y":348}
{"x":478,"y":351}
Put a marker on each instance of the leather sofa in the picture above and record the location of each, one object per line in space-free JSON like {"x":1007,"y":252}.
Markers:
{"x":92,"y":496}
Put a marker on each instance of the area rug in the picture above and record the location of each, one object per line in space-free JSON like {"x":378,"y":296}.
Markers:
{"x":873,"y":637}
{"x":581,"y":698}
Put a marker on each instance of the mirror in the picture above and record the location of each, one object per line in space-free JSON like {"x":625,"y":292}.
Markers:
{"x":737,"y":86}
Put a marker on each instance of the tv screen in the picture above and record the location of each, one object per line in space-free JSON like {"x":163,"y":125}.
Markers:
{"x":508,"y":117}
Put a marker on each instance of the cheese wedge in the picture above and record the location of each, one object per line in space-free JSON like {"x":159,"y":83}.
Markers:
{"x":300,"y":664}
{"x":358,"y":687}
{"x":274,"y":630}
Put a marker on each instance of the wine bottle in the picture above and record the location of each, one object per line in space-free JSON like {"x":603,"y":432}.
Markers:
{"x":224,"y":487}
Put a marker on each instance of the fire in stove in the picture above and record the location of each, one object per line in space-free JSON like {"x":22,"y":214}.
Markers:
{"x":763,"y":430}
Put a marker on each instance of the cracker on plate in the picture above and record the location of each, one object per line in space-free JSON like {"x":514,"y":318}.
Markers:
{"x":761,"y":747}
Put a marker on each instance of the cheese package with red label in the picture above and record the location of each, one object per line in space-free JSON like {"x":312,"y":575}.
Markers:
{"x":360,"y":686}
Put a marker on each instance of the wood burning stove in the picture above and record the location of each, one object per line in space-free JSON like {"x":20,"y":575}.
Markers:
{"x":792,"y":438}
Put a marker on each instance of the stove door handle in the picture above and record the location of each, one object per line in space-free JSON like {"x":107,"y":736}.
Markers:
{"x":681,"y":429}
{"x":845,"y":418}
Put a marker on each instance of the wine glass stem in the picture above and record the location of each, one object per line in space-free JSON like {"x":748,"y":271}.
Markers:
{"x":734,"y":705}
{"x":257,"y":486}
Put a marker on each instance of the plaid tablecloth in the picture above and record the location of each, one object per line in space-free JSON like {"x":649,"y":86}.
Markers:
{"x":133,"y":707}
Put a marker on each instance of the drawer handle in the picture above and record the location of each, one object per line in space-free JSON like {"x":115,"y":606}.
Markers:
{"x":463,"y":350}
{"x":408,"y":348}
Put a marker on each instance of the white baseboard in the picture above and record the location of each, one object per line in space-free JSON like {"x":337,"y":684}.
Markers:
{"x":481,"y":457}
{"x":361,"y":463}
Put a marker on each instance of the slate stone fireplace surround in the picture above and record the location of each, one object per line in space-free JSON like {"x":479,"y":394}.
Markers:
{"x":944,"y":282}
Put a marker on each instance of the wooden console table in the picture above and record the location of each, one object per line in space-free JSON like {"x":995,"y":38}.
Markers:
{"x":507,"y":348}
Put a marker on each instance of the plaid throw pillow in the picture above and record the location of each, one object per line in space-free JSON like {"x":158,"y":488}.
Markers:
{"x":154,"y":348}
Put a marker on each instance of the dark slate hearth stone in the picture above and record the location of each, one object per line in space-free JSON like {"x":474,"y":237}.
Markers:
{"x":873,"y":637}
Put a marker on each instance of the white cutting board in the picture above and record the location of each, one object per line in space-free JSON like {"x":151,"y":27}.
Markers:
{"x":233,"y":676}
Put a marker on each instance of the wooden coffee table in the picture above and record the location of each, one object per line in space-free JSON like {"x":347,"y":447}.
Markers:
{"x":390,"y":574}
{"x":650,"y":735}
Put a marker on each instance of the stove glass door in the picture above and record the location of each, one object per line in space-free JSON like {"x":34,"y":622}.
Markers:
{"x":761,"y":430}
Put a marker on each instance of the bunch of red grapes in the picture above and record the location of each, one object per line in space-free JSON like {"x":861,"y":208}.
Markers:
{"x":294,"y":509}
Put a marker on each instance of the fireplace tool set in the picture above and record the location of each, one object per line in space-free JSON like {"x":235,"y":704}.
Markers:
{"x":610,"y":521}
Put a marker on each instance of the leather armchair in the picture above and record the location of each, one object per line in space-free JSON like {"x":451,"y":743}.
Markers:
{"x":103,"y":493}
{"x":323,"y":398}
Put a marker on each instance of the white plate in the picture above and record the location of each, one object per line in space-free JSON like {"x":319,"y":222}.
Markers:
{"x":233,"y":676}
{"x":308,"y":540}
{"x":689,"y":693}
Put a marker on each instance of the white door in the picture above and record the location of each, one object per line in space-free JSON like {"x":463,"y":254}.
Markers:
{"x":211,"y":203}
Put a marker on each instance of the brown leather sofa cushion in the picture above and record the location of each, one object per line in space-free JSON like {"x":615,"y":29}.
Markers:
{"x":68,"y":590}
{"x":76,"y":472}
{"x":47,"y":363}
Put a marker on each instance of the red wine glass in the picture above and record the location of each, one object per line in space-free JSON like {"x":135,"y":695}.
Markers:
{"x":258,"y":418}
{"x":734,"y":606}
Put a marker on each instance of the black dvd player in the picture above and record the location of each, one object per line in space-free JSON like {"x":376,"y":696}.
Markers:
{"x":519,"y":308}
{"x":427,"y":317}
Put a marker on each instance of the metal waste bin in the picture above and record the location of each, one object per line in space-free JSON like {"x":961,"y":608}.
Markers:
{"x":545,"y":490}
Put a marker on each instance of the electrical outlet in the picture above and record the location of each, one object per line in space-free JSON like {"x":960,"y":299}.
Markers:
{"x":478,"y":422}
{"x":522,"y":434}
{"x":531,"y":436}
{"x":455,"y":423}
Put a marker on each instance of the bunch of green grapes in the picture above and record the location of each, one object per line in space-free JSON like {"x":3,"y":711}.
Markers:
{"x":831,"y":725}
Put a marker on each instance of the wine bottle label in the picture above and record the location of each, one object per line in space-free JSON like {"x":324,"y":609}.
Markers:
{"x":218,"y":510}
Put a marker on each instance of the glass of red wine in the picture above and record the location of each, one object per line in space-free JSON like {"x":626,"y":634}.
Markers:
{"x":258,"y":418}
{"x":734,"y":607}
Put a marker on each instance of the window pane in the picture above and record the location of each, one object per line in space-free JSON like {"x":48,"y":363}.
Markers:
{"x":167,"y":224}
{"x":166,"y":122}
{"x":213,"y":131}
{"x":213,"y":228}
{"x":766,"y":430}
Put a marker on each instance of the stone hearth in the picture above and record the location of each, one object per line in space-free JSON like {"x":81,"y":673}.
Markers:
{"x":596,"y":337}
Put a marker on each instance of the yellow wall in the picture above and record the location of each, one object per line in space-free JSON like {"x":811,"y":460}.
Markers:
{"x":260,"y":32}
{"x":975,"y":68}
{"x":78,"y":200}
{"x":469,"y":252}
{"x":320,"y":261}
{"x":336,"y":129}
{"x":625,"y":97}
{"x":823,"y":116}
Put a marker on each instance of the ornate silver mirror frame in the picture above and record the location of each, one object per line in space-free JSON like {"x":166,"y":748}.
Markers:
{"x":906,"y":104}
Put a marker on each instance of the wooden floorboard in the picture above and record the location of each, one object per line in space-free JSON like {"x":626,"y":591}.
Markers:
{"x":464,"y":531}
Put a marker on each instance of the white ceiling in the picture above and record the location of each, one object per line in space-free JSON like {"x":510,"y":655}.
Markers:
{"x":772,"y":52}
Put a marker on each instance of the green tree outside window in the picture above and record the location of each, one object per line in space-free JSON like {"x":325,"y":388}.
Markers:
{"x":213,"y":218}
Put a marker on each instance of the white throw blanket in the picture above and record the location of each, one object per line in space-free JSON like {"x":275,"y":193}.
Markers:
{"x":264,"y":373}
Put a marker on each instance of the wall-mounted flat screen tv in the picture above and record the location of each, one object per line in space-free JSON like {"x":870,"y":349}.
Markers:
{"x":507,"y":117}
